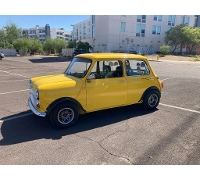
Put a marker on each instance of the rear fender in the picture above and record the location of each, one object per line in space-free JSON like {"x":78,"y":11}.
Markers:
{"x":147,"y":91}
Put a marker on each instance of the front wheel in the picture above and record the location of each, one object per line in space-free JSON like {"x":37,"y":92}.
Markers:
{"x":64,"y":115}
{"x":151,"y":99}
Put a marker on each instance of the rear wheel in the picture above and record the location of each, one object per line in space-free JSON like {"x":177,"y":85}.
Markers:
{"x":64,"y":115}
{"x":151,"y":99}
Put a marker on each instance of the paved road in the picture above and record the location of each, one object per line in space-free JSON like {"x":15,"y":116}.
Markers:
{"x":126,"y":135}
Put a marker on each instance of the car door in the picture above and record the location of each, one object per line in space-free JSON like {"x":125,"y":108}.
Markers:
{"x":139,"y":78}
{"x":107,"y":89}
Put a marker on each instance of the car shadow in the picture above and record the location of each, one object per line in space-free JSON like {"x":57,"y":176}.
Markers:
{"x":32,"y":127}
{"x":50,"y":59}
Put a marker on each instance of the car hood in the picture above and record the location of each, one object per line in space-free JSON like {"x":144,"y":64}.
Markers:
{"x":52,"y":79}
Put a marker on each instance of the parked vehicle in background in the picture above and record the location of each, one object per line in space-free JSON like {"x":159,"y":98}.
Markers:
{"x":92,"y":82}
{"x":80,"y":51}
{"x":1,"y":55}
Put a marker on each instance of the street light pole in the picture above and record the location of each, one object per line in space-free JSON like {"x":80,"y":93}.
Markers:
{"x":73,"y":37}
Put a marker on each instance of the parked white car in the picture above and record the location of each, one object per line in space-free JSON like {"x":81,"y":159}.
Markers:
{"x":2,"y":55}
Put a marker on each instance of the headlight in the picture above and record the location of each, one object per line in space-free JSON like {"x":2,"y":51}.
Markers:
{"x":37,"y":94}
{"x":29,"y":84}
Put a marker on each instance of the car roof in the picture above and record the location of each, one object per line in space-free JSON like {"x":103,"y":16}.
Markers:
{"x":111,"y":56}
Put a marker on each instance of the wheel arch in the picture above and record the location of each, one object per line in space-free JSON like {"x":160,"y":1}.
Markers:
{"x":148,"y":90}
{"x":65,"y":99}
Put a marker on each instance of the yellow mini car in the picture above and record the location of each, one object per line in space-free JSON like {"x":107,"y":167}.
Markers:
{"x":92,"y":82}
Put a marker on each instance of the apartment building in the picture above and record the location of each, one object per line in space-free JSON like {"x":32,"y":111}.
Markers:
{"x":82,"y":30}
{"x":141,"y":33}
{"x":42,"y":32}
{"x":60,"y":33}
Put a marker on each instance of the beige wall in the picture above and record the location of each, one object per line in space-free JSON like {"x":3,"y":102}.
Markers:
{"x":8,"y":52}
{"x":108,"y":35}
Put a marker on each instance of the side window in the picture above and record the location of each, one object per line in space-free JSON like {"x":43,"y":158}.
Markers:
{"x":107,"y":69}
{"x":136,"y":68}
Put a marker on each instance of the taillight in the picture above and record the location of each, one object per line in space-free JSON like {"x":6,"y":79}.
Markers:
{"x":162,"y":84}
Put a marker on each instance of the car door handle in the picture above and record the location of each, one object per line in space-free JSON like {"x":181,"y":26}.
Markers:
{"x":148,"y":78}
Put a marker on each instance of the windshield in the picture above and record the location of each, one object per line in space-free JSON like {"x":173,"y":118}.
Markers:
{"x":78,"y":67}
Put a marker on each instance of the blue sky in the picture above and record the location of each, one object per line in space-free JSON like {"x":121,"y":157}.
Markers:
{"x":55,"y":21}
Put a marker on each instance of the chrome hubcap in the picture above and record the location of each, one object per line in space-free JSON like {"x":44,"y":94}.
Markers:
{"x":66,"y":115}
{"x":153,"y":99}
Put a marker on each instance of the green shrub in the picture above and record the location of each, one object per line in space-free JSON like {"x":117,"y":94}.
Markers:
{"x":164,"y":49}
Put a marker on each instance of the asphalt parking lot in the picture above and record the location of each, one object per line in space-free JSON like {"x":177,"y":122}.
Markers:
{"x":127,"y":135}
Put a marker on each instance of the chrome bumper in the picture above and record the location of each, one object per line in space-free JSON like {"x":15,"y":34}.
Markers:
{"x":34,"y":110}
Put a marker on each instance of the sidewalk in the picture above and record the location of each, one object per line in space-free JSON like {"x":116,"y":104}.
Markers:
{"x":173,"y":58}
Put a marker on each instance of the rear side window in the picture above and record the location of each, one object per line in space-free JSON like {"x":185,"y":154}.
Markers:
{"x":108,"y":69}
{"x":136,"y":67}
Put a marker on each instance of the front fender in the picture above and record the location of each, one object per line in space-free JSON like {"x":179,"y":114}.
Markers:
{"x":65,"y":99}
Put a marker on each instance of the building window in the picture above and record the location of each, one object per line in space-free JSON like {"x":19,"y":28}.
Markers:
{"x":140,"y":30}
{"x":79,"y":25}
{"x":123,"y":15}
{"x":156,"y":30}
{"x":88,"y":35}
{"x":141,"y":18}
{"x":157,"y":18}
{"x":123,"y":26}
{"x":93,"y":19}
{"x":88,"y":23}
{"x":182,"y":19}
{"x":93,"y":31}
{"x":187,"y":20}
{"x":88,"y":29}
{"x":195,"y":21}
{"x":171,"y":20}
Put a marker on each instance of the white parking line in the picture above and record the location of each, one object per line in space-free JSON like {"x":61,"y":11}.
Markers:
{"x":14,"y":91}
{"x":19,"y":75}
{"x":12,"y":74}
{"x":176,"y":107}
{"x":14,"y":80}
{"x":166,"y":79}
{"x":15,"y":117}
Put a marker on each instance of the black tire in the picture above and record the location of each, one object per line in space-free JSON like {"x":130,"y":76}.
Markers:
{"x":64,"y":115}
{"x":151,"y":99}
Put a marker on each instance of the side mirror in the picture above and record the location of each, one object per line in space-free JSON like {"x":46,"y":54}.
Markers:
{"x":91,"y":76}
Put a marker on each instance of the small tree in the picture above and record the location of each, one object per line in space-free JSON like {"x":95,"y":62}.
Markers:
{"x":49,"y":45}
{"x":164,"y":49}
{"x":35,"y":46}
{"x":22,"y":45}
{"x":84,"y":46}
{"x":192,"y":35}
{"x":9,"y":33}
{"x":71,"y":44}
{"x":175,"y":37}
{"x":59,"y":44}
